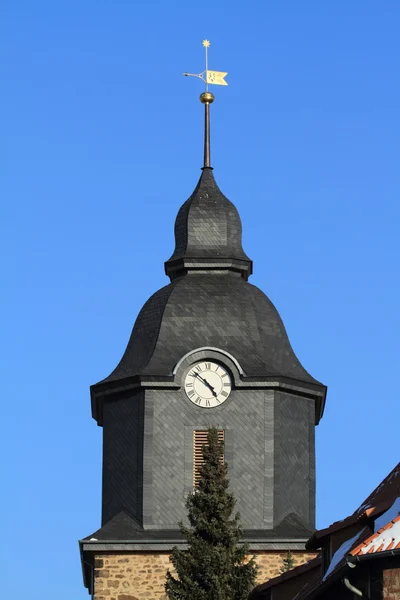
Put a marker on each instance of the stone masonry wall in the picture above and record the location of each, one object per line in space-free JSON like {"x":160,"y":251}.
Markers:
{"x":391,"y":584}
{"x":142,"y":576}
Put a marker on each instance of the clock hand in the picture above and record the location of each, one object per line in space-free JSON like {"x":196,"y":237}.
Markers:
{"x":203,"y":380}
{"x":206,"y":383}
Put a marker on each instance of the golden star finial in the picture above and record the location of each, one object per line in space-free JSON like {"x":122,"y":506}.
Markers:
{"x":209,"y":77}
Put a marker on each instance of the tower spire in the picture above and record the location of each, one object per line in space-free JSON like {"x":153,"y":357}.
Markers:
{"x":207,"y":98}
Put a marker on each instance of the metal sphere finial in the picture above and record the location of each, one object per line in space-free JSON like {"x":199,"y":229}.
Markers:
{"x":207,"y":98}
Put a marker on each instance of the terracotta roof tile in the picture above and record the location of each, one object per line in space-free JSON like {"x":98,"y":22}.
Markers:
{"x":386,"y":538}
{"x":375,"y":504}
{"x":317,"y":580}
{"x":386,"y":492}
{"x":375,"y":511}
{"x":384,"y":498}
{"x":390,"y":545}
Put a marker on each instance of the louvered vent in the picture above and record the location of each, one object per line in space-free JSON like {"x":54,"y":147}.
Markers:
{"x":200,"y":440}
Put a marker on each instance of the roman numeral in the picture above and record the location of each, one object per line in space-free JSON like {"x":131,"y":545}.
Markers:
{"x":197,"y":400}
{"x":225,"y":375}
{"x":190,"y":393}
{"x":189,"y":385}
{"x":198,"y":368}
{"x":208,"y":366}
{"x":224,"y":394}
{"x":207,"y":402}
{"x":227,"y":385}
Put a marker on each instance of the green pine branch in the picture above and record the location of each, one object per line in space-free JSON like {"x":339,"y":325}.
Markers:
{"x":214,"y":567}
{"x":287,"y":562}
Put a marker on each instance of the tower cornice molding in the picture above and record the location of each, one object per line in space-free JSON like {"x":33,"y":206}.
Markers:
{"x":110,"y":391}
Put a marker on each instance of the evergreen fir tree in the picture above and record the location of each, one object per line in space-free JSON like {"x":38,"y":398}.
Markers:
{"x":214,"y":567}
{"x":288,"y":562}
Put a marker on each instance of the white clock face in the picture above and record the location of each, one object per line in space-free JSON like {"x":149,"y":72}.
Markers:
{"x":207,"y":384}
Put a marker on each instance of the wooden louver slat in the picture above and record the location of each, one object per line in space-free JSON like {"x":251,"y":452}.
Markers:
{"x":200,"y":440}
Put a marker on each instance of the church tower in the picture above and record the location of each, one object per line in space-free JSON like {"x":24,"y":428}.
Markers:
{"x":208,"y":349}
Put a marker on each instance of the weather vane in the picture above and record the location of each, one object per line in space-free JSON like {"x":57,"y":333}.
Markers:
{"x":209,"y":77}
{"x":207,"y":98}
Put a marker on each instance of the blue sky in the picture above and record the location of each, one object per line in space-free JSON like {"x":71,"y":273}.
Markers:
{"x":101,"y":144}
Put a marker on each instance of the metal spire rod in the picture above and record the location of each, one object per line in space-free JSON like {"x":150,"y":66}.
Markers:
{"x":207,"y":98}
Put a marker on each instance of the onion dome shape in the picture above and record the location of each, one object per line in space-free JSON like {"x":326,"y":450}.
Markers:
{"x":214,"y":310}
{"x":208,"y":233}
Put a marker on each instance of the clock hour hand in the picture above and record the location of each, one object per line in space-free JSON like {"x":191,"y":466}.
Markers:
{"x":206,"y":383}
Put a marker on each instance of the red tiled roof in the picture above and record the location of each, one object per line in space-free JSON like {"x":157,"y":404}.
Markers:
{"x":366,"y":542}
{"x":386,"y":538}
{"x":386,"y":492}
{"x":377,"y":502}
{"x":316,"y":581}
{"x":377,"y":510}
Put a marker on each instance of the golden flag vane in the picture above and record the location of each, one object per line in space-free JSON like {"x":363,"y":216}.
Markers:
{"x":209,"y":77}
{"x":207,"y":98}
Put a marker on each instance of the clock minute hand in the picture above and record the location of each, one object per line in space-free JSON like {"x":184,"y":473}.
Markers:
{"x":203,"y":380}
{"x":206,"y":383}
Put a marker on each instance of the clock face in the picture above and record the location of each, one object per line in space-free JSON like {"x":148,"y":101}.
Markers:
{"x":207,"y":384}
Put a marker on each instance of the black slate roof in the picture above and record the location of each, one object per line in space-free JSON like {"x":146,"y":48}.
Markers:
{"x":123,"y":527}
{"x":209,"y":302}
{"x":208,"y":230}
{"x":215,"y":310}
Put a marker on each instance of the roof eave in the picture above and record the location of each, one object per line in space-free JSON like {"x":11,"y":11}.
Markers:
{"x":373,"y":555}
{"x":87,"y":567}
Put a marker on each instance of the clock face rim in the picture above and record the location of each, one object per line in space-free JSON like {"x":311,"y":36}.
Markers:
{"x":219,"y":390}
